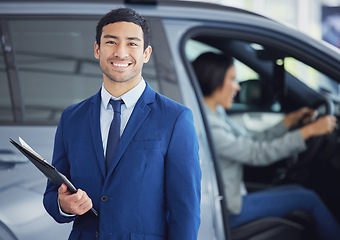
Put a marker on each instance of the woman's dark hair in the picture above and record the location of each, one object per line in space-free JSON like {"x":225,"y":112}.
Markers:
{"x":124,"y":15}
{"x":210,"y":70}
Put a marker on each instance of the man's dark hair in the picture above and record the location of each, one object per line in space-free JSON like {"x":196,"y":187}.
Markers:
{"x":124,"y":15}
{"x":210,"y":70}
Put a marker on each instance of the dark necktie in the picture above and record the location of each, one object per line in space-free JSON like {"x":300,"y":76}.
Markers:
{"x":114,"y":133}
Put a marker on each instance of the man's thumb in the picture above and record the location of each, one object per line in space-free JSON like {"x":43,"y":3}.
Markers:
{"x":63,"y":188}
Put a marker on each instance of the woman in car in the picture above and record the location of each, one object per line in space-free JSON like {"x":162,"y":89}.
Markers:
{"x":237,"y":146}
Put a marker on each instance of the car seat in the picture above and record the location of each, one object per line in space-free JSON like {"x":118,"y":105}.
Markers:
{"x":296,"y":225}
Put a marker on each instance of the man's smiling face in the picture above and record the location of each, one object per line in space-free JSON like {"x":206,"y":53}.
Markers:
{"x":121,"y":52}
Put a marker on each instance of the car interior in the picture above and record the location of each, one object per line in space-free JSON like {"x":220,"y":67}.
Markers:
{"x":275,"y":82}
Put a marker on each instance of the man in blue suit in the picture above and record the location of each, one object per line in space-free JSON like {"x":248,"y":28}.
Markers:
{"x":151,"y":188}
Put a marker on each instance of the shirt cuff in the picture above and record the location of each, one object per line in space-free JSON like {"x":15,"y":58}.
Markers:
{"x":64,"y":214}
{"x":299,"y":141}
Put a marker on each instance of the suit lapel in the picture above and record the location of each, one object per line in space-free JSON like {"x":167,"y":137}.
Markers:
{"x":138,"y":116}
{"x":95,"y":131}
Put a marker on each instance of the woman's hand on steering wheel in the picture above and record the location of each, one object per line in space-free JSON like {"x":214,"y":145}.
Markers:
{"x":322,"y":126}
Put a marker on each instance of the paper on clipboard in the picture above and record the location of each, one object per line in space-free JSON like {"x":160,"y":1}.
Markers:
{"x":25,"y":145}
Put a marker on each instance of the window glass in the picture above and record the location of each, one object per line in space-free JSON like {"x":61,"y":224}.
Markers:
{"x":244,"y":73}
{"x":194,"y":48}
{"x":56,"y":65}
{"x":150,"y":73}
{"x":311,"y":77}
{"x":254,"y":96}
{"x":5,"y":99}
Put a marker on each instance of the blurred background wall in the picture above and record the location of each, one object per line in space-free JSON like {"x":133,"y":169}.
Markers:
{"x":317,"y":18}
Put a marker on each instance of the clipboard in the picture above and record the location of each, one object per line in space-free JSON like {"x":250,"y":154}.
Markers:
{"x":47,"y":169}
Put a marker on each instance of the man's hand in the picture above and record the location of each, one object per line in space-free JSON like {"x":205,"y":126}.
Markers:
{"x":77,"y":203}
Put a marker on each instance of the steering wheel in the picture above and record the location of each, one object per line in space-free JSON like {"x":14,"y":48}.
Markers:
{"x":314,"y":144}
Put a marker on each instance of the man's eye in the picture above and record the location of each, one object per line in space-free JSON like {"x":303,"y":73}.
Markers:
{"x":132,"y":44}
{"x":111,"y":42}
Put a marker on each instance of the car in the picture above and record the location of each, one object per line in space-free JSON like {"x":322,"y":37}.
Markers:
{"x":47,"y":64}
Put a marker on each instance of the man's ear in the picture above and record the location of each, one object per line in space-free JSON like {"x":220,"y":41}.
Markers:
{"x":96,"y":50}
{"x":147,"y":54}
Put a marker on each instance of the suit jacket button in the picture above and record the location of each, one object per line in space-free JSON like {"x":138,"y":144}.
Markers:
{"x":97,"y":234}
{"x":104,"y":198}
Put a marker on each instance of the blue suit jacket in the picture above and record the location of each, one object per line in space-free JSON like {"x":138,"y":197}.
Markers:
{"x":152,"y":189}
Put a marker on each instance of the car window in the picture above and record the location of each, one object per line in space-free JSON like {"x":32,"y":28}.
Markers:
{"x":265,"y":73}
{"x":195,"y":48}
{"x":56,"y":65}
{"x":5,"y":99}
{"x":244,"y":73}
{"x":311,"y":77}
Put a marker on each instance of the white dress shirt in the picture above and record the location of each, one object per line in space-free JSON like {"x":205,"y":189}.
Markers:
{"x":106,"y":112}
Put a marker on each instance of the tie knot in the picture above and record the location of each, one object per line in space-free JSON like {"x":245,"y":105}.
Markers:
{"x":116,"y":105}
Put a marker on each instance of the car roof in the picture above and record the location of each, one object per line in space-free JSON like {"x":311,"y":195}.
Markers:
{"x":188,"y":10}
{"x":7,"y":6}
{"x":178,"y":3}
{"x":199,"y":12}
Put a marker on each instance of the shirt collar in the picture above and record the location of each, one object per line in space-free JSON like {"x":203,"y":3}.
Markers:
{"x":130,"y":98}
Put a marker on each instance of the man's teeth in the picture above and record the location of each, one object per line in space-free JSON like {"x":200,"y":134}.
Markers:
{"x":120,"y":64}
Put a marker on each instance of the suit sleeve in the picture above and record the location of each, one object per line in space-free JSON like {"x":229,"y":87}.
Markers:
{"x":183,"y":180}
{"x":60,"y":162}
